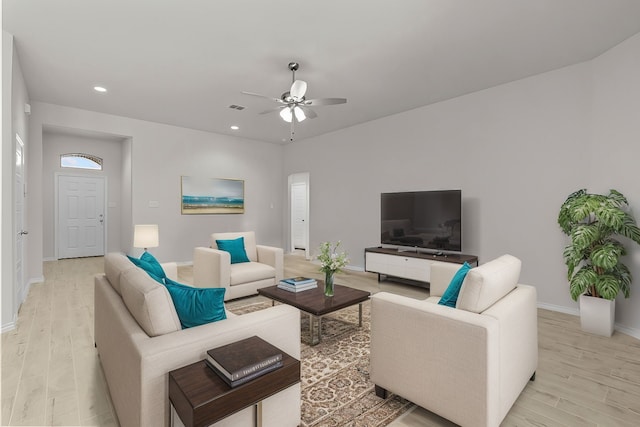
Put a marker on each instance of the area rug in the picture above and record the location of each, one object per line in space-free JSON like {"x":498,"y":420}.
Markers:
{"x":336,"y":389}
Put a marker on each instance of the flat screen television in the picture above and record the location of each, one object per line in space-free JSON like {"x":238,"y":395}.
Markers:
{"x":422,"y":219}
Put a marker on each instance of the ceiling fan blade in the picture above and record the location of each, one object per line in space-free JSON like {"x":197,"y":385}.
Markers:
{"x":308,"y":112}
{"x":325,"y":101}
{"x":264,"y":96}
{"x":272,"y":110}
{"x":298,"y":89}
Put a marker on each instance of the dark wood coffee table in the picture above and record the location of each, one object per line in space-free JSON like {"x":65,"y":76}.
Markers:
{"x":314,"y":303}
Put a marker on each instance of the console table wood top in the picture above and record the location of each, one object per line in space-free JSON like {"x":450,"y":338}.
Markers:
{"x":455,"y":258}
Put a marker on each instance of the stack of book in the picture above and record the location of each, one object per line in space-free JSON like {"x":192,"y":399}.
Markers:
{"x":244,"y":360}
{"x":297,"y":284}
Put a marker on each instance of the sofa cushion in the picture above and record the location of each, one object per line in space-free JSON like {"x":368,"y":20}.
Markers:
{"x":249,"y":242}
{"x":148,"y":302}
{"x":450,"y":296}
{"x":488,"y":283}
{"x":196,"y":306}
{"x":114,"y":265}
{"x":150,"y":264}
{"x":250,"y":272}
{"x":235,"y":248}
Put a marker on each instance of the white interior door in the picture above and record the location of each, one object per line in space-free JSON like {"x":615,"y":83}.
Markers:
{"x":299,"y":215}
{"x":81,"y":221}
{"x":299,"y":211}
{"x":19,"y":221}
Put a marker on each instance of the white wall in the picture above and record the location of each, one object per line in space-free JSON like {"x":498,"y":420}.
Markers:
{"x":615,"y":153}
{"x":57,"y":142}
{"x":516,"y":151}
{"x":507,"y":148}
{"x":160,"y":154}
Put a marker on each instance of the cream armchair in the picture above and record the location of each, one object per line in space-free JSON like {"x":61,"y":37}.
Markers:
{"x":467,"y":364}
{"x":212,"y":267}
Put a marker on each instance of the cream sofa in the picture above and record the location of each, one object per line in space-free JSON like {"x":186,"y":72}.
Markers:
{"x":139,"y":340}
{"x":212,"y":267}
{"x":467,"y":364}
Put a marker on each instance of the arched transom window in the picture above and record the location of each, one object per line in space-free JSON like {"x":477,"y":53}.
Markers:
{"x":80,"y":161}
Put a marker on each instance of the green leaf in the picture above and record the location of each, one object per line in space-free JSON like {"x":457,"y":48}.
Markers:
{"x":583,"y":236}
{"x":584,"y":278}
{"x":607,"y":286}
{"x":572,"y":259}
{"x":611,"y":216}
{"x":607,"y":255}
{"x":624,"y":277}
{"x":617,"y":198}
{"x":630,"y":228}
{"x":583,"y":207}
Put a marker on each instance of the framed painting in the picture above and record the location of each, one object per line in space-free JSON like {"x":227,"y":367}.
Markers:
{"x":211,"y":196}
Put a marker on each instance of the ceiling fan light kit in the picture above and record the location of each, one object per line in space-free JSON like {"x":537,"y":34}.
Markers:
{"x":294,"y":107}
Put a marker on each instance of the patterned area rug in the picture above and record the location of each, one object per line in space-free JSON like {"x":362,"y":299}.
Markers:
{"x":336,"y":390}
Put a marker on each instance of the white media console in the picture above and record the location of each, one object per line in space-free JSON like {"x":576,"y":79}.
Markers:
{"x":415,"y":266}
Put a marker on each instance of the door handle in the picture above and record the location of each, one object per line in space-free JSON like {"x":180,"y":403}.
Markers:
{"x":101,"y":218}
{"x":22,"y":233}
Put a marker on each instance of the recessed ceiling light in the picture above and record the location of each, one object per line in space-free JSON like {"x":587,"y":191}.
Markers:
{"x":234,"y":127}
{"x":99,"y":89}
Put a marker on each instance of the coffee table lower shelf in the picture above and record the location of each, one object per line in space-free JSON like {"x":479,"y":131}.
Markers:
{"x":316,"y":304}
{"x":200,"y":398}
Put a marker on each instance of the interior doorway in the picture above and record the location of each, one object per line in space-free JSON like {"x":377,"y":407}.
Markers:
{"x":19,"y":205}
{"x":299,"y":214}
{"x":81,"y":222}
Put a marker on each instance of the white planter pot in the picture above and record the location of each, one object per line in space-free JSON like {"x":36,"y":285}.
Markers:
{"x":597,"y":315}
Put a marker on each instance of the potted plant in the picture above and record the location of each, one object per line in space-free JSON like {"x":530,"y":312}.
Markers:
{"x":331,"y":262}
{"x":596,"y":274}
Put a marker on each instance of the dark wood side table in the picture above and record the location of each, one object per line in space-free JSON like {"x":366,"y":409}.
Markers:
{"x":201,"y":398}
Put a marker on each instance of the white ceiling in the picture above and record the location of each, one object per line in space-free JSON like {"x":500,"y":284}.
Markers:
{"x":184,"y":62}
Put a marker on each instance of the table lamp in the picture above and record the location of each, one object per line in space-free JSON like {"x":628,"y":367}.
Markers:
{"x":146,"y":236}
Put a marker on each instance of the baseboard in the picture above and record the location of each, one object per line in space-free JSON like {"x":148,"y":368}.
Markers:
{"x":9,"y":326}
{"x":49,"y":259}
{"x":634,"y":332}
{"x":559,"y":308}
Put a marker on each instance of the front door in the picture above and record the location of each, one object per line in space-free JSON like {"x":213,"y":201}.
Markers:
{"x":81,"y":220}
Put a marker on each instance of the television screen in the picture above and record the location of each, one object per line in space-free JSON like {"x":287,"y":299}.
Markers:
{"x":422,"y":219}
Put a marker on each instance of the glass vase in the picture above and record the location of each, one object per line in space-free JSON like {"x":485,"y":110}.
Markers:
{"x":328,"y":283}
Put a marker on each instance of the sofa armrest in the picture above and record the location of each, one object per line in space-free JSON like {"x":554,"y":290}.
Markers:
{"x":272,"y":256}
{"x":211,"y":268}
{"x":427,"y":353}
{"x":441,"y":274}
{"x":170,"y":269}
{"x":517,"y":314}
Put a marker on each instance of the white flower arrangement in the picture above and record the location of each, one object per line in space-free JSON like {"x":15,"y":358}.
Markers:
{"x":330,"y":259}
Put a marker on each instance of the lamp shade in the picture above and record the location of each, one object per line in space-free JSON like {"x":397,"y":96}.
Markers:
{"x":146,"y":236}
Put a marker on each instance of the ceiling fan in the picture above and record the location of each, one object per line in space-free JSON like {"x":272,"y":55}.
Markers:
{"x":294,"y":107}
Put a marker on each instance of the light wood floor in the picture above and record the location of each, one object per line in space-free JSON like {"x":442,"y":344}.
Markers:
{"x":51,"y":373}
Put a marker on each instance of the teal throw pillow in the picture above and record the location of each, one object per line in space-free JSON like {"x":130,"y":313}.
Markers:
{"x":235,"y":248}
{"x":196,"y":306}
{"x":150,"y":264}
{"x":450,"y":296}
